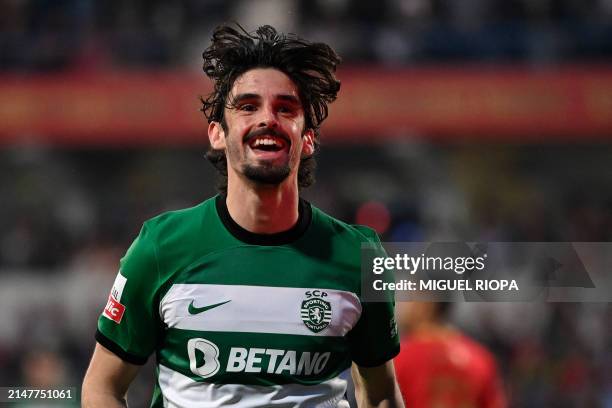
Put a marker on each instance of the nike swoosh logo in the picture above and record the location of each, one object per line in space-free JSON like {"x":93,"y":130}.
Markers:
{"x":193,"y":310}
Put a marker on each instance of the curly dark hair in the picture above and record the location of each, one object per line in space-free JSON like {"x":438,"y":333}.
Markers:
{"x":311,"y":66}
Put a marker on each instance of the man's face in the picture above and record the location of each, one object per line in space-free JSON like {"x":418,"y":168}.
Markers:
{"x":264,"y":136}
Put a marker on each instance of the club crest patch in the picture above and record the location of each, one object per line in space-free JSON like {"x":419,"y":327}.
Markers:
{"x":316,"y":312}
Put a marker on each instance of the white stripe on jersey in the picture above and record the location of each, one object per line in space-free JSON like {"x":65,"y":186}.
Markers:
{"x":180,"y":391}
{"x":254,"y":309}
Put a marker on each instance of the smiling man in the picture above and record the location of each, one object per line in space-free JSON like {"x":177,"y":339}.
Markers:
{"x":273,"y":145}
{"x":252,"y":298}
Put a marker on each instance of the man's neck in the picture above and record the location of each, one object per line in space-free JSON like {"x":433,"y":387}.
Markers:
{"x":263,"y":210}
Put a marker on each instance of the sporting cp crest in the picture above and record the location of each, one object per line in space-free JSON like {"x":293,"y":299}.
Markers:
{"x":316,"y":312}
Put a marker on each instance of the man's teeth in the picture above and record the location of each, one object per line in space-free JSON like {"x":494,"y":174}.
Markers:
{"x":266,"y":142}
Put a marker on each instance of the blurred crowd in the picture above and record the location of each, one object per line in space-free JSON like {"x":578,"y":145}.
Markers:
{"x":58,"y":202}
{"x":49,"y":35}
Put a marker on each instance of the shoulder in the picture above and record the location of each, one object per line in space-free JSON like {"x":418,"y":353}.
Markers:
{"x":353,"y":232}
{"x":183,"y":219}
{"x":474,"y":346}
{"x":482,"y":360}
{"x":174,"y":235}
{"x":186,"y":227}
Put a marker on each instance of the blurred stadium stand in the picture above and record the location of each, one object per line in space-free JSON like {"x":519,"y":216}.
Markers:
{"x":458,"y":120}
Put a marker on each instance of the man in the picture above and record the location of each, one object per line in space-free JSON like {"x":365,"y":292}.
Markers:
{"x":440,"y":367}
{"x":252,"y":297}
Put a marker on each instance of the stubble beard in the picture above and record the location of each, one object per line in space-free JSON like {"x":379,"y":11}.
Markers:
{"x":263,"y":173}
{"x":266,"y":173}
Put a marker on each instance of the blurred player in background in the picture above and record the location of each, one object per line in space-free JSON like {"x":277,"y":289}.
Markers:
{"x":250,"y":298}
{"x":438,"y":366}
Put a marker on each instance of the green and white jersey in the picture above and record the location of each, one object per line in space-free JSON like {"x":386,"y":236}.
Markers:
{"x":238,"y":319}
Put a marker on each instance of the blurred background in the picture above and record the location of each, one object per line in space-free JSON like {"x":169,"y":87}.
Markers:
{"x":457,"y":120}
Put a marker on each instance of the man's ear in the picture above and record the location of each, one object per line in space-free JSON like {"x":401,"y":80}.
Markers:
{"x":308,"y":146}
{"x":216,"y":135}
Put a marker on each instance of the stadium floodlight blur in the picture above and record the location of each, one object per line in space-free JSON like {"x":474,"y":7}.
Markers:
{"x":533,"y":167}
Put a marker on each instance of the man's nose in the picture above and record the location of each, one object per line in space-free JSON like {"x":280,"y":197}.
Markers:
{"x":268,"y":118}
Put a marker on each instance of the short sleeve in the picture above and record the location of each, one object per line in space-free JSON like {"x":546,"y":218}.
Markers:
{"x":374,"y":339}
{"x":129,"y":325}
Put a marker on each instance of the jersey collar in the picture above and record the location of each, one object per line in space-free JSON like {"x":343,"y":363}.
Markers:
{"x":279,"y":238}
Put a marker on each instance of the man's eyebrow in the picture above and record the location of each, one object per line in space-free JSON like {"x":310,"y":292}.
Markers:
{"x":236,"y":99}
{"x":289,"y":98}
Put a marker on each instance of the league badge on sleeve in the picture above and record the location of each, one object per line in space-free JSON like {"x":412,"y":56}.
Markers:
{"x":114,"y":309}
{"x":316,"y":312}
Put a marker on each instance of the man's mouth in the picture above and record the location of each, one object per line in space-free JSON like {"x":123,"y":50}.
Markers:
{"x":267,"y":143}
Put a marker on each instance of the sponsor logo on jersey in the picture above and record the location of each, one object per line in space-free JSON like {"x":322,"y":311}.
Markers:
{"x":204,"y":360}
{"x":316,"y":312}
{"x":118,"y":286}
{"x":114,"y":310}
{"x":193,"y":310}
{"x":393,"y":326}
{"x":276,"y":361}
{"x":209,"y":364}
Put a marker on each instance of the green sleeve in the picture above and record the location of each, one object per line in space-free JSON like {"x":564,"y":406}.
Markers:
{"x":130,"y":326}
{"x":374,"y":339}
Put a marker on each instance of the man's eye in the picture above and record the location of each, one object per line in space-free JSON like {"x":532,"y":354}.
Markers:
{"x":247,"y":107}
{"x":285,"y":109}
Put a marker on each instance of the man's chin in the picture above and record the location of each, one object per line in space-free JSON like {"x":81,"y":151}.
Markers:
{"x":267,"y":174}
